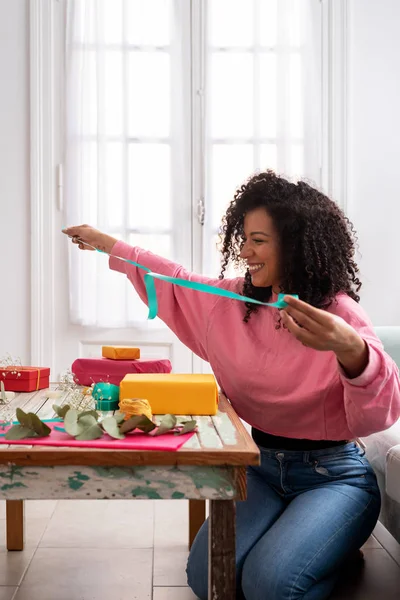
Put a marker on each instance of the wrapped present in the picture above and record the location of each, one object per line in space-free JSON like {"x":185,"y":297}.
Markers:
{"x":25,"y":379}
{"x":187,"y":394}
{"x":120,"y":352}
{"x":95,"y":370}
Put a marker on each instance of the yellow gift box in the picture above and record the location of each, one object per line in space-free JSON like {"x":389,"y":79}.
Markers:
{"x":186,"y":394}
{"x":121,"y":352}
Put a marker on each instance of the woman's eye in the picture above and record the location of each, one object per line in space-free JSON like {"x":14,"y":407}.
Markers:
{"x":258,"y":241}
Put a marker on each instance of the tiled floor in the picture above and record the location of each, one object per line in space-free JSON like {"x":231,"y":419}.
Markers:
{"x":124,"y":550}
{"x":88,"y":550}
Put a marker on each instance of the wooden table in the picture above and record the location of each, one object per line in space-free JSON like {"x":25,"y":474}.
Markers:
{"x":210,"y":466}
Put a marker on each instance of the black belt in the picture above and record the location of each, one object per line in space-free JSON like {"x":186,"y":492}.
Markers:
{"x":266,"y":440}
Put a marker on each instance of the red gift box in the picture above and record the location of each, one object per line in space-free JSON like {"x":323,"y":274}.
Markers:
{"x":95,"y":370}
{"x":25,"y":379}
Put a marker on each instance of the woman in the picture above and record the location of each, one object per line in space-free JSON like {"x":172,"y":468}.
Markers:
{"x":309,"y":379}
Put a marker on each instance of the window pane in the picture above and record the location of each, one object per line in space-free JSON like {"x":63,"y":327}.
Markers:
{"x":213,"y":261}
{"x":268,"y":157}
{"x":297,"y":160}
{"x":268,"y":95}
{"x":113,"y":185}
{"x":267,"y":22}
{"x":231,"y":95}
{"x":158,"y":243}
{"x":231,"y":165}
{"x":113,"y":91}
{"x":84,"y":21}
{"x":149,"y":94}
{"x":148,"y":22}
{"x":296,"y":96}
{"x":112,"y":22}
{"x":213,"y":265}
{"x":89,"y":183}
{"x":231,"y":22}
{"x":296,"y":13}
{"x":85,"y":94}
{"x":149,"y":186}
{"x":109,"y":290}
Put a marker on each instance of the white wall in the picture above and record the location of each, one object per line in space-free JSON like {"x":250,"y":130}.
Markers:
{"x":14,"y":179}
{"x":374,"y":152}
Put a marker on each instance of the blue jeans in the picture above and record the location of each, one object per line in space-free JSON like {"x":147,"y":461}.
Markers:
{"x":305,"y":513}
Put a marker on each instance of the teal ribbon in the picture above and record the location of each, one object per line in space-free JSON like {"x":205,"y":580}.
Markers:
{"x":192,"y":285}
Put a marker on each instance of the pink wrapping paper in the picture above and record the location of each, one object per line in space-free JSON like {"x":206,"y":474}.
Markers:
{"x":167,"y":442}
{"x":95,"y":370}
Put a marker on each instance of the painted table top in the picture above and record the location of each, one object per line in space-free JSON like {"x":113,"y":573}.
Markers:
{"x":220,"y":440}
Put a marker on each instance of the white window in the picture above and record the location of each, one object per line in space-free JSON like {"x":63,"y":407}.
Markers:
{"x":263,"y":98}
{"x":128,"y":166}
{"x":171,"y":105}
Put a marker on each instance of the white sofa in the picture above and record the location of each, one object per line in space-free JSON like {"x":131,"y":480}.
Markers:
{"x":383,"y":449}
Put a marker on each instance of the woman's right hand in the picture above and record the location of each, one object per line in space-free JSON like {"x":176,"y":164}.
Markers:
{"x":89,"y":238}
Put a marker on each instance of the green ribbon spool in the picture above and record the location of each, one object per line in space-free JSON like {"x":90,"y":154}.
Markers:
{"x":106,"y":396}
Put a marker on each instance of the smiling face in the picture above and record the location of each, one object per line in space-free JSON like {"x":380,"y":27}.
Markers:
{"x":261,"y":249}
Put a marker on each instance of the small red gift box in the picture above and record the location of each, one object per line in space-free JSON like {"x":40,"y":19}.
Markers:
{"x":25,"y":379}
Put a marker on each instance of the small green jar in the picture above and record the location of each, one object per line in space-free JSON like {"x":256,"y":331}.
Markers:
{"x":106,"y":396}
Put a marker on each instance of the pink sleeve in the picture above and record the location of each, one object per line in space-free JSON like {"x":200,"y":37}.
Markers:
{"x":186,"y":312}
{"x":372,"y":400}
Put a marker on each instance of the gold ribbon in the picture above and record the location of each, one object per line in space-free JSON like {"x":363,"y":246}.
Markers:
{"x":38,"y":379}
{"x":135,"y":406}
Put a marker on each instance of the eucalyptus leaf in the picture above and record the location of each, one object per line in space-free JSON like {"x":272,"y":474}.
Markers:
{"x":188,"y":426}
{"x":93,"y":413}
{"x":71,"y":423}
{"x":146,"y":425}
{"x":90,"y":433}
{"x":119,"y":417}
{"x":38,"y":426}
{"x":61,"y":411}
{"x":19,"y":432}
{"x":32,"y":422}
{"x":168,"y":422}
{"x":87,"y":421}
{"x":24,"y":418}
{"x":130,"y":424}
{"x":110,"y":425}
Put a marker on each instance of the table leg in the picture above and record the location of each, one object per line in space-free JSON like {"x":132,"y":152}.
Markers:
{"x":221,"y":550}
{"x":197,"y":516}
{"x":15,"y":524}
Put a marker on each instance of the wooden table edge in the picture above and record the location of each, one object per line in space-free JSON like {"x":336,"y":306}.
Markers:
{"x":125,"y":458}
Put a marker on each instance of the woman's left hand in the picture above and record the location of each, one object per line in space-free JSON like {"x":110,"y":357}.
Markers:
{"x":317,"y":328}
{"x":322,"y":330}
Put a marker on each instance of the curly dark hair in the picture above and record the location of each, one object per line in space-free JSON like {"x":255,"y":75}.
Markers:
{"x":317,"y":240}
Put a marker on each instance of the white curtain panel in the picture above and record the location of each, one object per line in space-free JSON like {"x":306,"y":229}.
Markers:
{"x":263,"y":99}
{"x":126,"y":143}
{"x":128,"y":169}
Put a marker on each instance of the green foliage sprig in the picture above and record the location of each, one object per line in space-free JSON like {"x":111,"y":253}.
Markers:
{"x":85,"y":425}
